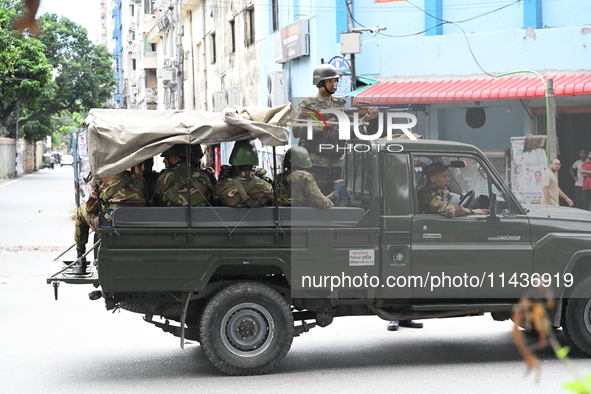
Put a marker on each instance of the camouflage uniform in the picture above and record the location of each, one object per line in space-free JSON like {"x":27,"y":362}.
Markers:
{"x":125,"y":189}
{"x":239,"y":191}
{"x":299,"y":189}
{"x":326,"y":165}
{"x":431,"y":201}
{"x":171,"y":188}
{"x":151,"y":178}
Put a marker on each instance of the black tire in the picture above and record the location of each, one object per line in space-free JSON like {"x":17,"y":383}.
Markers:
{"x":577,"y":317}
{"x":246,"y":329}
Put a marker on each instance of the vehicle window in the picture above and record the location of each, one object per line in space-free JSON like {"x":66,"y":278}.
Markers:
{"x":419,"y":164}
{"x":468,"y":173}
{"x":359,"y":168}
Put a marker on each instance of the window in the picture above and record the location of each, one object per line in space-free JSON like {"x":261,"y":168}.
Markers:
{"x":468,"y":175}
{"x":275,"y":16}
{"x":152,"y":47}
{"x":213,"y":49}
{"x":148,"y":7}
{"x":133,"y":63}
{"x":249,"y":27}
{"x":232,"y":36}
{"x":358,"y":177}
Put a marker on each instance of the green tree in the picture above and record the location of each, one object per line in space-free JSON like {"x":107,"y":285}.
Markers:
{"x":82,"y":72}
{"x":25,"y":74}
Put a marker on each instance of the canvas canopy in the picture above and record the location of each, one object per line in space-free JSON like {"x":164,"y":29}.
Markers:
{"x":120,"y":139}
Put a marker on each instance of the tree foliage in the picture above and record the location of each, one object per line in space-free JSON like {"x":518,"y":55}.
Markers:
{"x":61,"y":70}
{"x":25,"y":74}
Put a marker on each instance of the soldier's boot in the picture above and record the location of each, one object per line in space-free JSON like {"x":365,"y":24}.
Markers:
{"x":81,"y":263}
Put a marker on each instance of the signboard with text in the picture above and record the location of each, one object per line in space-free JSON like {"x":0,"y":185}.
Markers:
{"x":292,"y":41}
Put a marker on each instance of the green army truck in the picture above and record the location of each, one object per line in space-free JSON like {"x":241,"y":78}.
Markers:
{"x":244,"y":281}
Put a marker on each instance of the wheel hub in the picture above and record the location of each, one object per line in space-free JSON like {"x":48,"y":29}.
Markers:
{"x":247,"y":329}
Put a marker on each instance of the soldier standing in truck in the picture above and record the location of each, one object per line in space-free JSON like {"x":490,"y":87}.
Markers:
{"x":326,"y":163}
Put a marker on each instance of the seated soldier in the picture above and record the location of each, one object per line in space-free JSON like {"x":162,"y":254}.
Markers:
{"x":243,"y":188}
{"x":150,"y":177}
{"x":297,"y":186}
{"x":125,"y":189}
{"x":431,"y":195}
{"x":171,"y":186}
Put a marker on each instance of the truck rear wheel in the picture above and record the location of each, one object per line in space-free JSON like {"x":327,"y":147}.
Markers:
{"x":577,"y":319}
{"x":246,"y":329}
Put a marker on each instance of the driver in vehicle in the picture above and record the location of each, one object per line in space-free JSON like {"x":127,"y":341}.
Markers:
{"x":431,"y":198}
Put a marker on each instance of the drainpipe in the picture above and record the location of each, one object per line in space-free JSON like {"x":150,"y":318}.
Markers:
{"x":180,"y":57}
{"x":192,"y":59}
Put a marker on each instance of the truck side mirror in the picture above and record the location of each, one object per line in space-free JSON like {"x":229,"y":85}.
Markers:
{"x":492,"y":216}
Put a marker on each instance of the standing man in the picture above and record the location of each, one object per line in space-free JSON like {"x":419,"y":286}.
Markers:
{"x":575,"y":172}
{"x":326,"y":162}
{"x":550,"y":189}
{"x":419,"y":166}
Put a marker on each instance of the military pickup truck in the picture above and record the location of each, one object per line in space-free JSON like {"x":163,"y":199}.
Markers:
{"x":244,"y":282}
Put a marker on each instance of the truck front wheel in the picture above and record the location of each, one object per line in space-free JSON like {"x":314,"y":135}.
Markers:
{"x":246,"y":329}
{"x":577,"y":319}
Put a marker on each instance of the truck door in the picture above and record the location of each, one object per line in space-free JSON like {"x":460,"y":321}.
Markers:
{"x":469,"y":256}
{"x":396,"y":221}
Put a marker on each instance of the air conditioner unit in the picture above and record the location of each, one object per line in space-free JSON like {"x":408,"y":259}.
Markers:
{"x":232,"y":96}
{"x":218,"y":99}
{"x":165,"y":74}
{"x":276,"y":88}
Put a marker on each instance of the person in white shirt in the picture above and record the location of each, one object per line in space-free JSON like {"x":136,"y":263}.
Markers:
{"x":550,"y":189}
{"x":575,"y":171}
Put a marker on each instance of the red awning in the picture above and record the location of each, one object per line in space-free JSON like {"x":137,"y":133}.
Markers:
{"x":457,"y":91}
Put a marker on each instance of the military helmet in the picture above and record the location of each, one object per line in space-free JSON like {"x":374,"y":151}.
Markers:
{"x":179,"y":150}
{"x":297,"y":156}
{"x":244,"y":154}
{"x":323,"y":72}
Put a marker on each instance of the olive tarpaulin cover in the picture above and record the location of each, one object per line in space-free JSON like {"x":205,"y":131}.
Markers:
{"x":119,"y":139}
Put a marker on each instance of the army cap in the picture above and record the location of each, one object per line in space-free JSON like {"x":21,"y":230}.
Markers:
{"x":435,"y":169}
{"x":179,"y":150}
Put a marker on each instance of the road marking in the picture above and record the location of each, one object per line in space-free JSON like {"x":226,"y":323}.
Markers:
{"x":18,"y":179}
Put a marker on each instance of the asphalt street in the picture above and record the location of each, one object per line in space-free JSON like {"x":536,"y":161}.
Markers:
{"x":74,"y":345}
